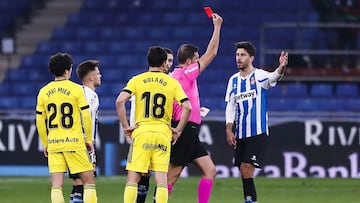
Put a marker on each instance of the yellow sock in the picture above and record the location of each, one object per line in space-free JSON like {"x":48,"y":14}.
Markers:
{"x":90,"y":193}
{"x":161,"y":193}
{"x":130,"y":193}
{"x":57,"y":195}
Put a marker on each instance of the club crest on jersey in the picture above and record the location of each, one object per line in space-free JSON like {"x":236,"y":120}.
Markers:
{"x":245,"y":96}
{"x":252,"y":80}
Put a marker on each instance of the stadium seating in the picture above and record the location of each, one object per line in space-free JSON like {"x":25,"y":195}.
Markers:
{"x":282,"y":104}
{"x":321,"y":90}
{"x":299,"y":90}
{"x":347,"y":90}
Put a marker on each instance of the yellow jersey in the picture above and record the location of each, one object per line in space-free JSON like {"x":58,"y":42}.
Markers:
{"x":154,"y":93}
{"x":63,"y":118}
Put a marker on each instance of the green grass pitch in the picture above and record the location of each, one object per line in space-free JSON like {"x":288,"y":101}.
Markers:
{"x":227,"y":190}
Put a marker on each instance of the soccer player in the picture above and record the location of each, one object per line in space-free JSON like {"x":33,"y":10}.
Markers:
{"x":189,"y":148}
{"x":143,"y":185}
{"x":89,"y":74}
{"x":246,"y":98}
{"x":152,"y":134}
{"x":63,"y":122}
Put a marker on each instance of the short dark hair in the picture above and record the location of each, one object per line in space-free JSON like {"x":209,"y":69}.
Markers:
{"x":186,"y":51}
{"x":248,"y":46}
{"x":169,"y":51}
{"x":60,"y":62}
{"x":156,"y":56}
{"x":85,"y":67}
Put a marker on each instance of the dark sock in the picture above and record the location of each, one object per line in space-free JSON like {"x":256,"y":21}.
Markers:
{"x":249,"y":189}
{"x":79,"y":189}
{"x":143,"y":188}
{"x":73,"y":190}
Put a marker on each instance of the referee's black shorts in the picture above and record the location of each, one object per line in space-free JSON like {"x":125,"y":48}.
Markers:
{"x":188,"y":147}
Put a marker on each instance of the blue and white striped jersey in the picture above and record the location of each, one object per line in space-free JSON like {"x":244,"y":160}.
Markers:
{"x":93,"y":99}
{"x":247,"y":97}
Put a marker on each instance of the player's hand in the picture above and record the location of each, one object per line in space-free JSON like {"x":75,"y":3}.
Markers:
{"x":230,"y":137}
{"x":128,"y":132}
{"x":90,"y":147}
{"x":217,"y":20}
{"x":45,"y":152}
{"x":175,"y":135}
{"x":283,"y":59}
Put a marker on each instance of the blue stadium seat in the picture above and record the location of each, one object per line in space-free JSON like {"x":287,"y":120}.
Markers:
{"x":107,"y":103}
{"x":76,"y":19}
{"x":35,"y":61}
{"x":277,"y":91}
{"x":47,"y":47}
{"x":27,"y":103}
{"x":330,"y":104}
{"x":106,"y":61}
{"x":184,"y":5}
{"x":115,"y":88}
{"x":122,"y":19}
{"x":120,"y":47}
{"x":72,"y":47}
{"x":24,"y":89}
{"x":212,"y":90}
{"x":134,"y":33}
{"x":162,"y":4}
{"x":173,"y":18}
{"x":159,"y":33}
{"x":94,"y":47}
{"x":307,"y":104}
{"x":37,"y":76}
{"x":197,"y":19}
{"x":148,"y":18}
{"x":103,"y":90}
{"x":63,"y":34}
{"x":4,"y":89}
{"x":111,"y":33}
{"x":296,"y":90}
{"x":16,"y":75}
{"x":321,"y":90}
{"x":87,"y":33}
{"x":347,"y":90}
{"x":281,"y":104}
{"x":9,"y":103}
{"x":352,"y":105}
{"x":128,"y":61}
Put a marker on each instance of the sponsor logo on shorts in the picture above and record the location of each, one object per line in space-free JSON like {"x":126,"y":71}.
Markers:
{"x":148,"y":146}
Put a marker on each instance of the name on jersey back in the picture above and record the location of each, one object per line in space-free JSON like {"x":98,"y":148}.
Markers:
{"x":156,"y":80}
{"x":60,"y":90}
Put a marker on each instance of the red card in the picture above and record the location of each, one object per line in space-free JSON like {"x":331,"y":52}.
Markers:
{"x":208,"y":12}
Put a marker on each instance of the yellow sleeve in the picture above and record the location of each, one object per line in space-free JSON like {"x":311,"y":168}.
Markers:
{"x":41,"y":123}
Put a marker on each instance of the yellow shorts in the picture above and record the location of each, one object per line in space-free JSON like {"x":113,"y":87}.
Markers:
{"x":150,"y":149}
{"x":76,"y":161}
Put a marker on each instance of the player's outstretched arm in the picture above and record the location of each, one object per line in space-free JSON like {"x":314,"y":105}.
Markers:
{"x":280,"y":70}
{"x":213,"y":46}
